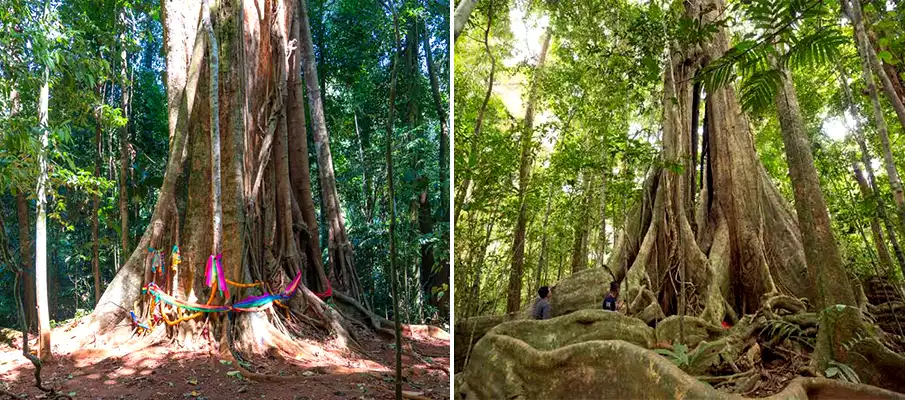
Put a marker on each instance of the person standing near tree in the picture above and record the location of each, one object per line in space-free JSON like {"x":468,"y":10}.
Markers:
{"x":611,"y":301}
{"x":542,"y":304}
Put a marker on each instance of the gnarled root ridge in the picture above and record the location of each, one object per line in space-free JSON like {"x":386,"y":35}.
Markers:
{"x":598,"y":354}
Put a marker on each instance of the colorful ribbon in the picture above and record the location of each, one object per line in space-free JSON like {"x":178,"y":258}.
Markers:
{"x":157,"y":261}
{"x":250,"y":303}
{"x":176,"y":257}
{"x":215,"y":273}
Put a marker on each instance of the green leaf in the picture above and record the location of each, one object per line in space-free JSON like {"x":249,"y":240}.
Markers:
{"x":758,"y":90}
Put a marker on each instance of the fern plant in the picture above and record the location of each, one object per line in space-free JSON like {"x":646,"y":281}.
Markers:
{"x":678,"y":355}
{"x":775,"y":45}
{"x":691,"y":362}
{"x":782,"y":330}
{"x":841,"y":371}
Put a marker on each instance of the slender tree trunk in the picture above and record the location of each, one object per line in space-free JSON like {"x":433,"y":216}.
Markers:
{"x":460,"y":18}
{"x":444,"y":129}
{"x":25,"y":244}
{"x":300,"y":168}
{"x":441,"y":277}
{"x":542,"y":258}
{"x":95,"y":206}
{"x":479,"y":122}
{"x":479,"y":268}
{"x":391,"y":207}
{"x":518,"y":245}
{"x":579,"y":246}
{"x":342,"y":265}
{"x":601,"y":239}
{"x":365,"y":172}
{"x":41,"y":228}
{"x":124,"y":153}
{"x":871,"y":178}
{"x":868,"y":58}
{"x":825,"y":268}
{"x":878,"y":237}
{"x":28,"y":260}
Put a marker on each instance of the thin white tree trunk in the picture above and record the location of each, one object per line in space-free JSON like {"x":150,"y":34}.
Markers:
{"x":41,"y":228}
{"x":460,"y":18}
{"x":215,"y":134}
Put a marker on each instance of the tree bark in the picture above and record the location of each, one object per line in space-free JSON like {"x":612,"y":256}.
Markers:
{"x":601,"y":238}
{"x":747,"y":246}
{"x":542,"y":258}
{"x":28,"y":260}
{"x":342,"y":266}
{"x":125,"y":157}
{"x":95,"y":205}
{"x":580,"y":244}
{"x":460,"y":18}
{"x":527,"y":139}
{"x":300,"y":169}
{"x":869,"y":59}
{"x":41,"y":227}
{"x":825,"y":268}
{"x":391,"y":198}
{"x":444,"y":129}
{"x":868,"y":55}
{"x":878,"y":237}
{"x":871,"y":178}
{"x":25,"y":244}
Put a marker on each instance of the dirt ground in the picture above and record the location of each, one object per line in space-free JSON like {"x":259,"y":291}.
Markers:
{"x":165,"y":371}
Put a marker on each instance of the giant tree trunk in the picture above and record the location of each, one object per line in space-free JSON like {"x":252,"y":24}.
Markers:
{"x":342,"y":265}
{"x":233,"y":86}
{"x":747,"y":244}
{"x":513,"y":302}
{"x":41,"y":228}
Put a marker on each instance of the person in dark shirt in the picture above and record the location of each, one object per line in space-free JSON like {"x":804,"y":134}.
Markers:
{"x":542,"y":304}
{"x":609,"y":302}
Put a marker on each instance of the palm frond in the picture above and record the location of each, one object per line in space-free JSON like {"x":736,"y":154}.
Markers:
{"x":816,"y":49}
{"x":759,"y":89}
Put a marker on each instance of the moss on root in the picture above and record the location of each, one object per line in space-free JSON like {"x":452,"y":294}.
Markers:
{"x":595,"y":354}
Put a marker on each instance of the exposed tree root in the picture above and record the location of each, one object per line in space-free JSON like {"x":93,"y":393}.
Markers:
{"x":569,"y":354}
{"x":382,"y":325}
{"x":521,"y":363}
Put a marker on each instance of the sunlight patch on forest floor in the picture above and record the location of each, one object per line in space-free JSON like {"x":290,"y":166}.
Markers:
{"x":165,"y":372}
